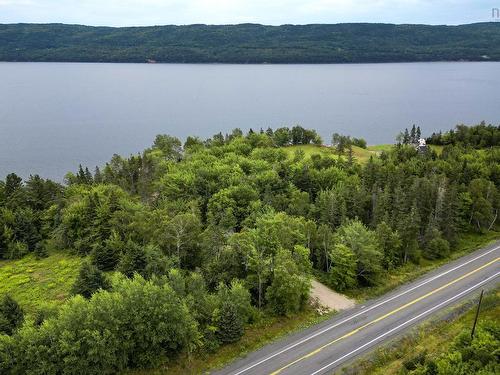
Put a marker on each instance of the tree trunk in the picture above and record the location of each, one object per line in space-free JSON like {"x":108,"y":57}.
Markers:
{"x":260,"y":291}
{"x":494,"y":219}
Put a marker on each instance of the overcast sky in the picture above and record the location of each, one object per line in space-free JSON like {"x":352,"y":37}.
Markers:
{"x":274,"y":12}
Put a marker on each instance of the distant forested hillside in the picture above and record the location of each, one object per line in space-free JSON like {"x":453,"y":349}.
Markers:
{"x":251,"y":43}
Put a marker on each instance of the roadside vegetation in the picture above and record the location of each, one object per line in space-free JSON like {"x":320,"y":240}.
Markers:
{"x":411,"y":271}
{"x":167,"y":258}
{"x":444,"y":347}
{"x":257,"y":335}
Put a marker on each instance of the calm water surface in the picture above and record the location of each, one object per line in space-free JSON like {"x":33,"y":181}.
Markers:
{"x":54,"y":116}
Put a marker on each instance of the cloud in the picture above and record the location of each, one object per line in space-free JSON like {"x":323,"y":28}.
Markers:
{"x":148,"y":12}
{"x":16,"y":2}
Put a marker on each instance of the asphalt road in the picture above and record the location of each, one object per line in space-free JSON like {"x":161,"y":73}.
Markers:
{"x":332,"y":344}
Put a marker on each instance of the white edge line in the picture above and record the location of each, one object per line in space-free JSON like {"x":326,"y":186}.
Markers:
{"x":363,"y":312}
{"x":407,"y":322}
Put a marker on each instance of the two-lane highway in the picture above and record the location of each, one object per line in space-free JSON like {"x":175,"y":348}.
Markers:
{"x":327,"y":346}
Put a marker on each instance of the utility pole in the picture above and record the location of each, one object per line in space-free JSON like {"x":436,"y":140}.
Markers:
{"x":477,"y":314}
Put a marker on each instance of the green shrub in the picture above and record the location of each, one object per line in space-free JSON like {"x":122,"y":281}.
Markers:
{"x":89,"y":280}
{"x":136,"y":325}
{"x":11,"y":315}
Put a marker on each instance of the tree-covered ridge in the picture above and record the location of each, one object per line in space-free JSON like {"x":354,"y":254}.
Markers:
{"x":251,"y":43}
{"x":185,"y":244}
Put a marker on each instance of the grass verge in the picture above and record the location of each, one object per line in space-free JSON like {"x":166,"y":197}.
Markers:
{"x":432,"y":339}
{"x":256,"y":336}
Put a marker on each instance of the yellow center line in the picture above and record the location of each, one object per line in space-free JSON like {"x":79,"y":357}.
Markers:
{"x":316,"y":351}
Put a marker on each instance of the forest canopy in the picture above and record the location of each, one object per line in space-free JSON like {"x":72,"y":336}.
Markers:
{"x":251,"y":43}
{"x":184,"y":245}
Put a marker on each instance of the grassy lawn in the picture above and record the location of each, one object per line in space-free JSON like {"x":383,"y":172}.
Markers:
{"x":40,"y":283}
{"x":410,"y":271}
{"x":433,"y":338}
{"x":361,"y":155}
{"x":380,"y":148}
{"x":256,"y":336}
{"x":309,"y":150}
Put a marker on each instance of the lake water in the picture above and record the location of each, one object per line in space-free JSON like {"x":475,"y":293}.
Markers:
{"x":54,"y":116}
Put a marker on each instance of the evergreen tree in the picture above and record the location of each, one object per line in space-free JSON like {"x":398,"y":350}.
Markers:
{"x":350,"y":155}
{"x":406,"y":137}
{"x":90,"y":279}
{"x":230,"y":324}
{"x":106,"y":257}
{"x":390,"y":243}
{"x":13,"y":183}
{"x":413,"y":134}
{"x":80,"y":176}
{"x":452,"y":220}
{"x":381,"y":206}
{"x":133,"y":260}
{"x":26,"y":227}
{"x":11,"y":315}
{"x":97,"y":175}
{"x":88,"y":177}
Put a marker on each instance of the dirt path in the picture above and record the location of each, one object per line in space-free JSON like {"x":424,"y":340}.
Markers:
{"x":328,"y":298}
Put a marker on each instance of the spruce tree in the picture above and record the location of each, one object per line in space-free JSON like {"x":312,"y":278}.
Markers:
{"x":406,"y":137}
{"x":89,"y":280}
{"x":413,"y":134}
{"x":133,"y":260}
{"x":97,"y":175}
{"x":13,"y":183}
{"x":230,"y":323}
{"x":80,"y":176}
{"x":88,"y":176}
{"x":105,"y":257}
{"x":350,"y":155}
{"x":11,"y":315}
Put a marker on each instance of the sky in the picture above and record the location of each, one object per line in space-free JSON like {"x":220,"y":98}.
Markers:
{"x":271,"y":12}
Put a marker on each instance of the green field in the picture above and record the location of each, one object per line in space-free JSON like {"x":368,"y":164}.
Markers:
{"x":38,"y":284}
{"x":360,"y":154}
